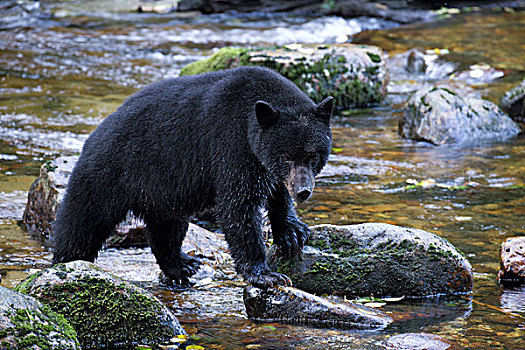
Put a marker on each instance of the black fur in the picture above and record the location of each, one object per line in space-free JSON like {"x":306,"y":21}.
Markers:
{"x":234,"y":140}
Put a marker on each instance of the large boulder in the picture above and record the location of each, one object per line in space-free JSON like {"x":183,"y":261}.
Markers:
{"x":355,"y":75}
{"x":104,"y":310}
{"x":513,"y":102}
{"x":27,"y":324}
{"x":441,"y":116}
{"x":378,"y":259}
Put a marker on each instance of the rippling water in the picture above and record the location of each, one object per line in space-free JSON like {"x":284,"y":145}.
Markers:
{"x":65,"y":66}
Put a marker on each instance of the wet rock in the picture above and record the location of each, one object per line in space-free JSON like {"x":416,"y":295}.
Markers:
{"x":104,"y":310}
{"x":513,"y":102}
{"x":344,"y":8}
{"x":293,"y":306}
{"x":378,"y":259}
{"x":418,"y":341}
{"x":355,"y":75}
{"x":27,"y":324}
{"x":512,"y":266}
{"x":45,"y":194}
{"x":416,"y":62}
{"x":441,"y":116}
{"x":357,"y":8}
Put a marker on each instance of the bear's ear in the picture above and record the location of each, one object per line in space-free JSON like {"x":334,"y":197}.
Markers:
{"x":324,"y":109}
{"x":266,"y":114}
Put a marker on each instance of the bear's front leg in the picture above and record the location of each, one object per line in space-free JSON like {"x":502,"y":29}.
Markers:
{"x":289,"y":233}
{"x":241,"y":223}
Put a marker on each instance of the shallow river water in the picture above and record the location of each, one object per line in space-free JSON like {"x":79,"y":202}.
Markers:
{"x":65,"y":66}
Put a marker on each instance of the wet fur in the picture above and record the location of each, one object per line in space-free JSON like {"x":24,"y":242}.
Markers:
{"x":184,"y":145}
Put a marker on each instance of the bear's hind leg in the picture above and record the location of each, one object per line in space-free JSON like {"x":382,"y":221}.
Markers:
{"x":81,"y":229}
{"x":165,"y":239}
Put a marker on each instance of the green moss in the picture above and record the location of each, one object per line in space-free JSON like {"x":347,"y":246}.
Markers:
{"x":227,"y":57}
{"x":26,"y":284}
{"x":374,"y":57}
{"x":42,"y":328}
{"x":103,"y":313}
{"x":49,"y":167}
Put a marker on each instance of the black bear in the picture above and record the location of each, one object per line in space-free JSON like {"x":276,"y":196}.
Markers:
{"x":235,"y":140}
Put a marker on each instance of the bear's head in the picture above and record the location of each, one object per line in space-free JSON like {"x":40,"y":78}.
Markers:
{"x":293,"y":143}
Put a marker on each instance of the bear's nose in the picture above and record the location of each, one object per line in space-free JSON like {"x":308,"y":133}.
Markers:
{"x":303,"y":194}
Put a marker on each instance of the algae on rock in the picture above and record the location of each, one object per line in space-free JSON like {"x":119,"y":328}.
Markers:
{"x":103,"y":309}
{"x":25,"y":323}
{"x":355,"y":75}
{"x":378,"y":259}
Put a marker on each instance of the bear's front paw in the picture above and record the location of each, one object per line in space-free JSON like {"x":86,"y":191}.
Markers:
{"x":291,"y":238}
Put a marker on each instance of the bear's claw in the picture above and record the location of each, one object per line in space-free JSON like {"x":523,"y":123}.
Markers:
{"x":269,"y":279}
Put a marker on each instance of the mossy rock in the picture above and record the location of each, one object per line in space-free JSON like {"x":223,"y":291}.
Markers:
{"x":104,"y":310}
{"x":25,"y":323}
{"x":378,"y":259}
{"x":355,"y":75}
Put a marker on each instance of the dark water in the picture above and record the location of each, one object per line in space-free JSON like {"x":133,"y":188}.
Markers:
{"x":65,"y":66}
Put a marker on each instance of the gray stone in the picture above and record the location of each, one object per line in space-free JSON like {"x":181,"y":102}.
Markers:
{"x":441,"y":116}
{"x":26,"y":323}
{"x":513,"y":102}
{"x":378,"y":259}
{"x":104,"y":310}
{"x":293,"y":306}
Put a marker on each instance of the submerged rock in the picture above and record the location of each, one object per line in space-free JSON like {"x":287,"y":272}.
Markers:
{"x":440,"y":116}
{"x":513,"y":102}
{"x":104,"y":310}
{"x":512,"y":267}
{"x":27,"y":324}
{"x":418,"y":341}
{"x":355,"y":75}
{"x":378,"y":259}
{"x":293,"y":306}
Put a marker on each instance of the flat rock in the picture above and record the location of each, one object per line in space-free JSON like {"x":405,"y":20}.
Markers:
{"x":104,"y":310}
{"x":25,"y":323}
{"x":512,"y":258}
{"x":355,"y":75}
{"x":379,"y":259}
{"x":441,"y":116}
{"x":293,"y":306}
